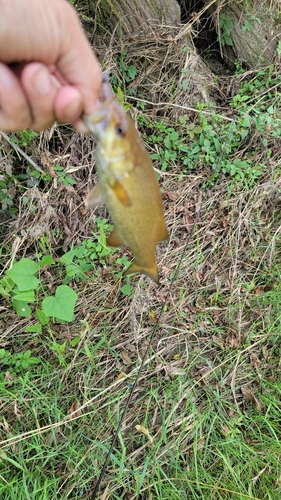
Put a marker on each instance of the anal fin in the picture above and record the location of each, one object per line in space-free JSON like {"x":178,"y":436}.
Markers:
{"x":115,"y":240}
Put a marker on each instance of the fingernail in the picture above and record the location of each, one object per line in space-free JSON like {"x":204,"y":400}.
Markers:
{"x":41,"y":81}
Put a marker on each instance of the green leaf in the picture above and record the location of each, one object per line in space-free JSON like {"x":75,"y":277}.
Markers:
{"x":37,"y":328}
{"x":33,"y":361}
{"x":26,"y":354}
{"x":61,"y":306}
{"x":75,"y":341}
{"x":72,"y":270}
{"x":167,"y":142}
{"x":120,"y":95}
{"x":174,"y":135}
{"x":197,"y":130}
{"x":26,"y":296}
{"x":6,"y":285}
{"x":185,"y":84}
{"x":132,"y":71}
{"x":228,"y":40}
{"x":154,"y":156}
{"x":67,"y":257}
{"x":44,"y":320}
{"x":22,"y":274}
{"x":126,"y":289}
{"x":22,"y":308}
{"x":46,"y":261}
{"x":4,"y":353}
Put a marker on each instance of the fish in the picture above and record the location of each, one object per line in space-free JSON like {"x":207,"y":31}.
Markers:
{"x":127,"y":184}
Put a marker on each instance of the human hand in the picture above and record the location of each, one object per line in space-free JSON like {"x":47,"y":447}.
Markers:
{"x":48,"y":70}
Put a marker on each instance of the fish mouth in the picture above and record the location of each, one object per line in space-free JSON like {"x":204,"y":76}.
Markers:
{"x":98,"y":121}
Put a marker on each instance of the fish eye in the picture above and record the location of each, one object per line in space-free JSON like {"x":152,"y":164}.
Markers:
{"x":120,"y":130}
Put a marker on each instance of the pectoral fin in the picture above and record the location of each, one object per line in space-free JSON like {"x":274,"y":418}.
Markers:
{"x":115,"y":240}
{"x":95,"y":197}
{"x":121,"y":194}
{"x":151,"y":272}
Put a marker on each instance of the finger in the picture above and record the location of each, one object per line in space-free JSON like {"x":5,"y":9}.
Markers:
{"x":81,"y":126}
{"x":15,"y":112}
{"x":77,"y":62}
{"x":68,"y":105}
{"x":40,"y":88}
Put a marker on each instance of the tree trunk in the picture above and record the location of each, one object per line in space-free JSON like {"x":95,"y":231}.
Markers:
{"x":148,"y":35}
{"x":135,"y":15}
{"x":248,"y":32}
{"x":146,"y":38}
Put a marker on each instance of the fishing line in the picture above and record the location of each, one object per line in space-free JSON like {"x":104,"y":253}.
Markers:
{"x":196,"y":219}
{"x":94,"y":494}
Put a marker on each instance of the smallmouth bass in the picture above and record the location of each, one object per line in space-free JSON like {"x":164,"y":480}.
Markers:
{"x":127,"y":184}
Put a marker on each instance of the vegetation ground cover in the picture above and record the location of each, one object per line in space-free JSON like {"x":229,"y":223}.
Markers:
{"x":204,"y":420}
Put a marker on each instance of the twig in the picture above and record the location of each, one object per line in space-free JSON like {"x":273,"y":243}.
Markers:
{"x":20,"y":151}
{"x":170,"y":104}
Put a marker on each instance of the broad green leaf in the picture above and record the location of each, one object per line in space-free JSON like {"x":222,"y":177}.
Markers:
{"x":61,"y":306}
{"x":26,"y":296}
{"x":22,"y":274}
{"x":22,"y":308}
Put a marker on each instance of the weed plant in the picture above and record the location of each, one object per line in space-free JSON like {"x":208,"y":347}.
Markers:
{"x":239,"y":148}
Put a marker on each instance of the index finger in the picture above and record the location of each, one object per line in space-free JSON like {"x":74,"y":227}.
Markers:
{"x":78,"y":64}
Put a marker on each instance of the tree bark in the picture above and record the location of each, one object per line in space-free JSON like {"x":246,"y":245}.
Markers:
{"x":248,"y":32}
{"x":135,"y":15}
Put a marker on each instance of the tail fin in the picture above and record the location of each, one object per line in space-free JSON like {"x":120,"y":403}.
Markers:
{"x":151,"y":272}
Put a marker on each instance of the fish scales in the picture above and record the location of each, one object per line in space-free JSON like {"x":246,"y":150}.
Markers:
{"x":127,"y":184}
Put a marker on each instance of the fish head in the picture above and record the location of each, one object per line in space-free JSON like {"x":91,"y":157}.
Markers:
{"x":113,"y":129}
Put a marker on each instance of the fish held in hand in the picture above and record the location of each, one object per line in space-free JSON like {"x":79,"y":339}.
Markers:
{"x":127,"y":184}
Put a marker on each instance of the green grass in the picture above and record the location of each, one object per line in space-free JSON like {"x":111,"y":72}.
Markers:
{"x":204,"y":419}
{"x":203,"y":447}
{"x":211,"y":407}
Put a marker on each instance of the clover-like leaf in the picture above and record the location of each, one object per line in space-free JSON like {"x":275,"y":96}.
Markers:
{"x":22,"y":274}
{"x":61,"y":305}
